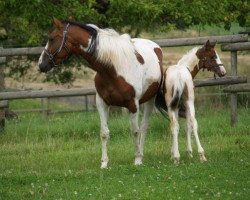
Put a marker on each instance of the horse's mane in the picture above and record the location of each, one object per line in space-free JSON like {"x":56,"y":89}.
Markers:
{"x":81,"y":25}
{"x":115,"y":49}
{"x":112,"y":48}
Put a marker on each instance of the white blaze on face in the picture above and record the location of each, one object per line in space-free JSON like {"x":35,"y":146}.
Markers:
{"x":41,"y":56}
{"x":222,"y":69}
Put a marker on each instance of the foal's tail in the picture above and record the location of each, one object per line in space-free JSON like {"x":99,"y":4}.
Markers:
{"x":177,"y":90}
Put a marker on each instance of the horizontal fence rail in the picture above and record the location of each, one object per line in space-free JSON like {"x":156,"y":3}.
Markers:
{"x":202,"y":40}
{"x":238,"y":88}
{"x":236,"y":47}
{"x":221,"y":81}
{"x":46,"y":94}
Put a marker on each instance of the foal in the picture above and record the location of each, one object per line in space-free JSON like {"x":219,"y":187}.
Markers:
{"x":178,"y":84}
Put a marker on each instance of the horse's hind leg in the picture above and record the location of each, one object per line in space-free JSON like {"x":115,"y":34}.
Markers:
{"x":134,"y":125}
{"x":148,"y":108}
{"x":104,"y":132}
{"x":193,"y":121}
{"x":174,"y":125}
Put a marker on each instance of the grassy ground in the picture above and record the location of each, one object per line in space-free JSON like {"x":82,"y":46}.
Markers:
{"x":59,"y":158}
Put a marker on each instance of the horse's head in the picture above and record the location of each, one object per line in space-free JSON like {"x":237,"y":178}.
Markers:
{"x":67,"y":38}
{"x":210,"y":60}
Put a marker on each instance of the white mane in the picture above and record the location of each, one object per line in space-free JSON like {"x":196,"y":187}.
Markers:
{"x":113,"y":48}
{"x":189,"y":59}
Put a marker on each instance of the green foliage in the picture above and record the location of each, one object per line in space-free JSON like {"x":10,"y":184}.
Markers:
{"x":28,"y":22}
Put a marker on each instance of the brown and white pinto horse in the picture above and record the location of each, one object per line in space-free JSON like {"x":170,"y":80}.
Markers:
{"x":128,"y":72}
{"x":178,"y":83}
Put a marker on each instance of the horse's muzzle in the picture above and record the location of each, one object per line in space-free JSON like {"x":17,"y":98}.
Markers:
{"x":45,"y":67}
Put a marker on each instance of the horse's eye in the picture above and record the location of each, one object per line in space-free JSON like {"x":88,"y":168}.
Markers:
{"x":214,"y":57}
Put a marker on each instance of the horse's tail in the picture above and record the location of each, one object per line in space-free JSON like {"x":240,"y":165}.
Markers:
{"x":160,"y":103}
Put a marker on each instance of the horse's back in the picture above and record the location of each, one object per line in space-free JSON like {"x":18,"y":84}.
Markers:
{"x":145,"y":43}
{"x":151,"y":54}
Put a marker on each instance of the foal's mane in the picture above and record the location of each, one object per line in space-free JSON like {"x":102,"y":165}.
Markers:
{"x":187,"y":57}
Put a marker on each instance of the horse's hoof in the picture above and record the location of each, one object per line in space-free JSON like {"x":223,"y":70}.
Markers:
{"x":176,"y":160}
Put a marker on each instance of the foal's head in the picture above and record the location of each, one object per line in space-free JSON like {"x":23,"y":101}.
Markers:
{"x":64,"y":40}
{"x":210,"y":60}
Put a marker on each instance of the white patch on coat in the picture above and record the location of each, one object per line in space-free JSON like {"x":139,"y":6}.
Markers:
{"x":85,"y":49}
{"x":42,"y":54}
{"x":222,"y":69}
{"x":119,"y":51}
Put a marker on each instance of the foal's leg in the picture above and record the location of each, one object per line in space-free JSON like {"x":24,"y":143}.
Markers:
{"x":174,"y":125}
{"x":134,"y":118}
{"x":188,"y":132}
{"x":193,"y":121}
{"x":148,"y":108}
{"x":104,"y":132}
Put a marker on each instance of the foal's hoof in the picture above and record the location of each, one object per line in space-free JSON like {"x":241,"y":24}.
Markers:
{"x":104,"y":165}
{"x":202,"y":157}
{"x":138,"y":161}
{"x":190,"y":155}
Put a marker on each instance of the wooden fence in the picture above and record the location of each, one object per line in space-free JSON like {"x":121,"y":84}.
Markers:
{"x":236,"y":43}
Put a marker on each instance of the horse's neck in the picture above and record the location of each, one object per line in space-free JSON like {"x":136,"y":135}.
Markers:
{"x":190,"y":61}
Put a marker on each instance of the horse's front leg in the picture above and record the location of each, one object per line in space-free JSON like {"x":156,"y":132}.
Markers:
{"x":134,"y":126}
{"x":103,"y":110}
{"x":147,"y":110}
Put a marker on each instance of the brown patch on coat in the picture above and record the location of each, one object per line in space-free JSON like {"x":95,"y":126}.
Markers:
{"x":159,"y":54}
{"x":195,"y":71}
{"x":114,"y":89}
{"x":154,"y":87}
{"x":150,"y":92}
{"x":139,"y":58}
{"x":185,"y":91}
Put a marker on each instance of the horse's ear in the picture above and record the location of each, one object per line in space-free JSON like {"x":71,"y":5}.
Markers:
{"x":57,"y":22}
{"x":207,"y":45}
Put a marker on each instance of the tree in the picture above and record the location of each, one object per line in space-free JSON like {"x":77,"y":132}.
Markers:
{"x":28,"y":22}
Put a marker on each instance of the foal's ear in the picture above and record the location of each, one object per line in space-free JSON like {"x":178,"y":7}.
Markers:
{"x":208,"y":45}
{"x":213,"y":45}
{"x":57,"y":23}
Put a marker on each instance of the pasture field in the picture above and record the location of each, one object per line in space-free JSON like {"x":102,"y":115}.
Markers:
{"x":59,"y":158}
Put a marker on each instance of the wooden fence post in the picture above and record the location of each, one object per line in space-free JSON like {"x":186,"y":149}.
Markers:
{"x":233,"y":96}
{"x":2,"y":87}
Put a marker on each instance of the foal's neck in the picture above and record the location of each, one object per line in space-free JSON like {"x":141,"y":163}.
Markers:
{"x":190,"y":61}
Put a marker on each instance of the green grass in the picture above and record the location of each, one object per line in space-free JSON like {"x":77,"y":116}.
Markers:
{"x":59,"y":158}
